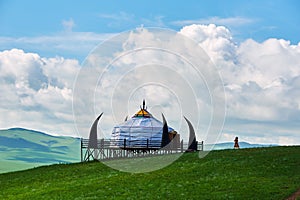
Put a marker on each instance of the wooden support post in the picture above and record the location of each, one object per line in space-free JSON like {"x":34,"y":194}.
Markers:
{"x":81,"y":149}
{"x":181,"y":146}
{"x":95,"y":154}
{"x":102,"y":143}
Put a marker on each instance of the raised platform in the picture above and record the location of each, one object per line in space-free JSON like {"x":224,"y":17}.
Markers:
{"x":108,"y":149}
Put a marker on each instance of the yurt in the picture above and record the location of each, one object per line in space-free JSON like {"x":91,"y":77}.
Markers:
{"x":140,"y":131}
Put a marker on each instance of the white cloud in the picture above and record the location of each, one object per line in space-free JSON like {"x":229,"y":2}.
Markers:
{"x":262,"y":84}
{"x":215,"y":40}
{"x":37,"y":92}
{"x":161,"y":77}
{"x":260,"y":79}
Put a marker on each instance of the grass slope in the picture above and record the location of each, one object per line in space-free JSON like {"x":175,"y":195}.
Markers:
{"x":258,"y":173}
{"x":24,"y":149}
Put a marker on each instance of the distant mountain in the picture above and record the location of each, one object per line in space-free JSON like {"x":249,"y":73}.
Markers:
{"x":21,"y":149}
{"x":229,"y":145}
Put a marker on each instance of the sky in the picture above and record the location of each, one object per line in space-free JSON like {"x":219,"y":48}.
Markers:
{"x":254,"y":44}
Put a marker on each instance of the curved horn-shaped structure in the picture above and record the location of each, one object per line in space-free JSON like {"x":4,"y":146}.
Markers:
{"x":93,"y":134}
{"x":165,"y":140}
{"x":192,"y":136}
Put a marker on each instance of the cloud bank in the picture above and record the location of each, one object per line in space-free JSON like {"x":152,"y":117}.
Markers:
{"x":36,"y":92}
{"x":261,"y":79}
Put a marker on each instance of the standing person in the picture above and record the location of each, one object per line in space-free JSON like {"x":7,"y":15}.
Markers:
{"x":236,"y":143}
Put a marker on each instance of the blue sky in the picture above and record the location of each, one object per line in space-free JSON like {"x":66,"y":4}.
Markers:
{"x":253,"y":19}
{"x":245,"y":19}
{"x":259,"y":39}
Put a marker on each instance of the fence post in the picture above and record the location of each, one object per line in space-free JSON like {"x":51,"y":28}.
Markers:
{"x":124,"y":143}
{"x":102,"y":143}
{"x":81,"y":149}
{"x":181,"y":146}
{"x":147,"y":143}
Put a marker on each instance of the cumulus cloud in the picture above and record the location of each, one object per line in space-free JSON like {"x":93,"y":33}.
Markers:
{"x":36,"y":92}
{"x":261,"y":80}
{"x":141,"y":64}
{"x":215,"y":40}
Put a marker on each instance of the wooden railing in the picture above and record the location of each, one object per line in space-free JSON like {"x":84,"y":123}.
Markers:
{"x":106,"y":146}
{"x":125,"y":144}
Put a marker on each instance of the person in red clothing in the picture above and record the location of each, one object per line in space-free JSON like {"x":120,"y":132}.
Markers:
{"x":236,"y":143}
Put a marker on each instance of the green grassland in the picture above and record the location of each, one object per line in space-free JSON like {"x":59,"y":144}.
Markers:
{"x":255,"y":173}
{"x":23,"y":149}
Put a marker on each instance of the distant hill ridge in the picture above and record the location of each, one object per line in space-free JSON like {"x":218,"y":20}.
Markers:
{"x":229,"y":145}
{"x":23,"y":148}
{"x":34,"y":131}
{"x":24,"y":129}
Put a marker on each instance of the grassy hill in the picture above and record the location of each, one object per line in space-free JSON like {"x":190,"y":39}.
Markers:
{"x":257,"y":173}
{"x":24,"y":149}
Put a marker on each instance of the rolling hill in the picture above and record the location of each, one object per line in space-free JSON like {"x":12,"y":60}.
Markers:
{"x":253,"y":173}
{"x":23,"y":149}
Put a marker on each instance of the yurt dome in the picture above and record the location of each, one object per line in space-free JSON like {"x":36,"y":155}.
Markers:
{"x":140,"y":131}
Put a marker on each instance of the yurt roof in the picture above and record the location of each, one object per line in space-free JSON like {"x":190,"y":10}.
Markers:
{"x":142,"y":119}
